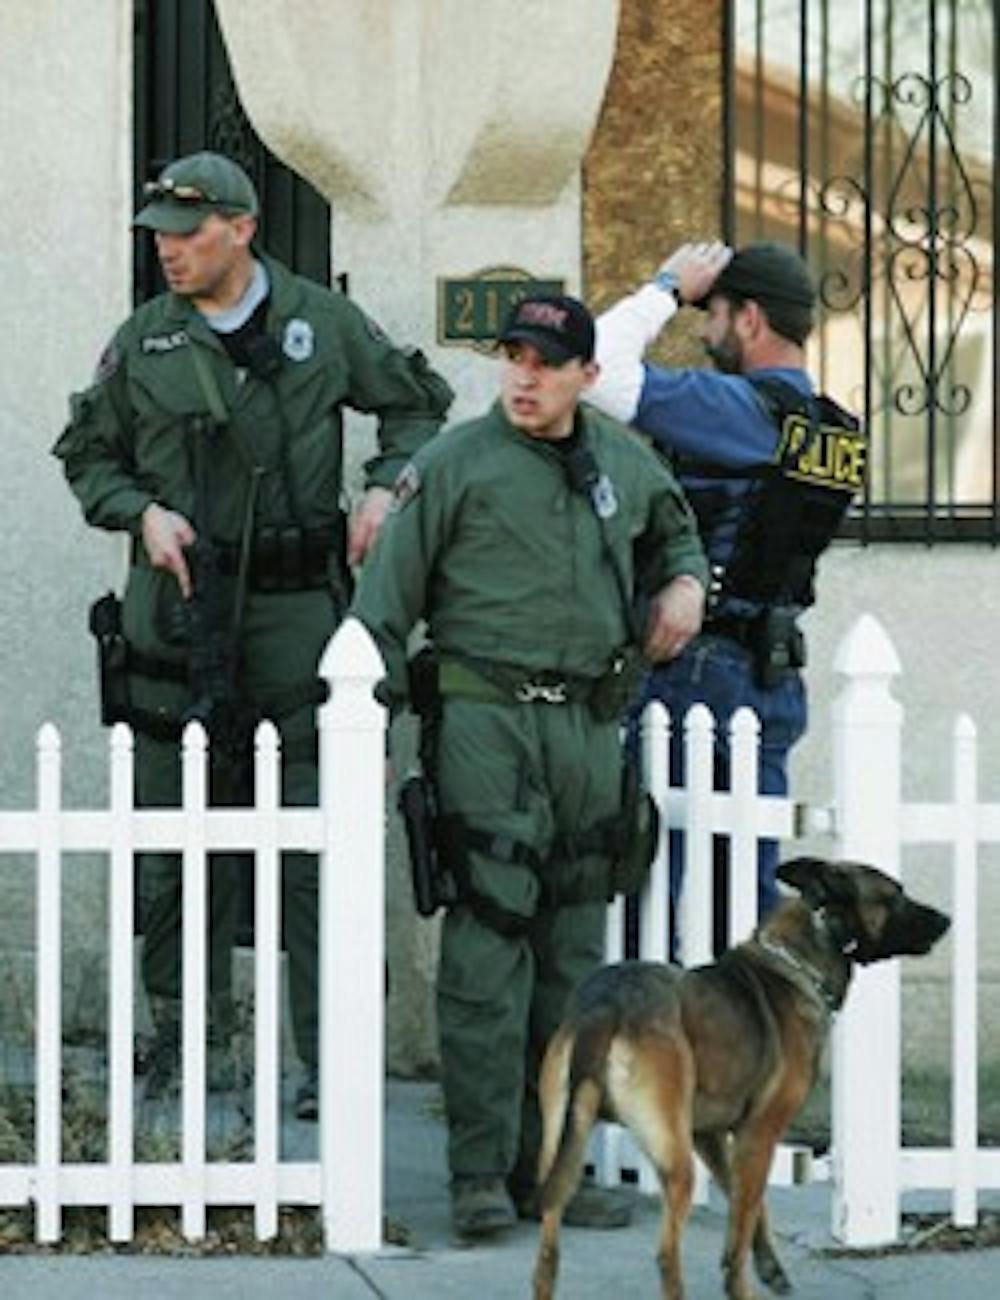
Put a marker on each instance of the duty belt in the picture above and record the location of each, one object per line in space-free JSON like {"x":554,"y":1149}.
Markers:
{"x":739,"y":630}
{"x":281,"y":559}
{"x":506,"y":684}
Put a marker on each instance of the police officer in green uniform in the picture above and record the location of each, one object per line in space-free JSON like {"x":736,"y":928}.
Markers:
{"x":522,"y":537}
{"x":212,"y":435}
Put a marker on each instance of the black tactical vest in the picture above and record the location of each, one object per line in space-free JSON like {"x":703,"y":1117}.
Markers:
{"x":794,"y":509}
{"x":765,"y":526}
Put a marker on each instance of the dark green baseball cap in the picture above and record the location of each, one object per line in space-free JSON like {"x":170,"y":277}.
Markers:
{"x":767,"y":273}
{"x":777,"y":278}
{"x":191,"y":189}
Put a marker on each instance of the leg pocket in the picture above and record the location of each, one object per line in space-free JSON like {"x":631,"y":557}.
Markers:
{"x":488,"y":773}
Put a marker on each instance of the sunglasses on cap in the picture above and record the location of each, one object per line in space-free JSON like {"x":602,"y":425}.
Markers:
{"x":168,"y":189}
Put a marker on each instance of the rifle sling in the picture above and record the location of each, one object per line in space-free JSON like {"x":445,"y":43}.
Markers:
{"x":220,"y":414}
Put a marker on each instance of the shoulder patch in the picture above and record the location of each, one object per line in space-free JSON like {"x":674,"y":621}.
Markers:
{"x":406,"y":487}
{"x":107,"y":363}
{"x":375,"y":331}
{"x":299,"y":342}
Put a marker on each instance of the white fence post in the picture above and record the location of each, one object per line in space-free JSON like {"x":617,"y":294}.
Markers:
{"x":267,"y":981}
{"x":121,"y":1135}
{"x":654,"y":912}
{"x":352,"y":942}
{"x":48,"y":988}
{"x":194,"y":970}
{"x":867,"y":728}
{"x":744,"y":746}
{"x":964,"y":990}
{"x":696,"y":901}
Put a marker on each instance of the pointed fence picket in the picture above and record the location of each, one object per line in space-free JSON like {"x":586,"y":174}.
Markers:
{"x":866,"y":816}
{"x":347,"y":831}
{"x":871,"y":822}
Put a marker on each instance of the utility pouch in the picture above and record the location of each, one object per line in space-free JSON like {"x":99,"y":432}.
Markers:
{"x":290,"y":558}
{"x":433,"y":883}
{"x":424,"y":688}
{"x":615,"y":691}
{"x":105,"y":623}
{"x":316,"y":544}
{"x":639,"y":834}
{"x":777,"y":646}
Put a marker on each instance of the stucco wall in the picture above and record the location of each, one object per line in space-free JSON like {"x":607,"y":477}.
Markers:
{"x":938,"y":610}
{"x":65,"y":131}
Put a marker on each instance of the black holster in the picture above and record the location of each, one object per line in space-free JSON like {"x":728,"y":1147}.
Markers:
{"x":430,"y":854}
{"x":415,"y":805}
{"x":433,"y":883}
{"x":616,"y":690}
{"x":638,"y":834}
{"x":777,"y":646}
{"x":105,"y":622}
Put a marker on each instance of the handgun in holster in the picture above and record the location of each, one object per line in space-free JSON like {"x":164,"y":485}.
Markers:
{"x":433,"y":883}
{"x":617,"y":689}
{"x":638,"y":834}
{"x":429,"y":846}
{"x":105,"y":622}
{"x":778,"y":646}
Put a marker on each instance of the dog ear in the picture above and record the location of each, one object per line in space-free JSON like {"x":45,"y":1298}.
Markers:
{"x":816,"y":879}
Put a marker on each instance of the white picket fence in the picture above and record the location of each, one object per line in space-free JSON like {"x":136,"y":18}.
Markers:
{"x":869,"y":822}
{"x":867,"y":818}
{"x":347,"y":831}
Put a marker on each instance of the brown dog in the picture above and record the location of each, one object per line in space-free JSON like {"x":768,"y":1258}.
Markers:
{"x":718,"y":1058}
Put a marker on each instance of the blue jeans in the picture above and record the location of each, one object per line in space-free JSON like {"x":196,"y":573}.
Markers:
{"x":718,"y":672}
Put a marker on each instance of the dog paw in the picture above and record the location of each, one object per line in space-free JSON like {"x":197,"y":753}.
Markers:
{"x":774,"y":1276}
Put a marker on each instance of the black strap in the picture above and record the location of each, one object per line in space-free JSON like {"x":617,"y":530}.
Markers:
{"x":453,"y":839}
{"x":583,"y":474}
{"x":153,"y":667}
{"x":273,"y":705}
{"x":739,"y":630}
{"x":504,"y":848}
{"x":603,"y":838}
{"x":220,"y":420}
{"x":288,"y":699}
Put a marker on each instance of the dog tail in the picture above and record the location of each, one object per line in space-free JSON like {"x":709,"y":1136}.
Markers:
{"x":571,"y":1087}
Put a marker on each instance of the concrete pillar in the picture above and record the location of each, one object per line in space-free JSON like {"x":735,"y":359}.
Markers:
{"x":65,"y":132}
{"x":448,"y":138}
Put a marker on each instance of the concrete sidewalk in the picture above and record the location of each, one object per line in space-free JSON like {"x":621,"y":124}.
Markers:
{"x":602,"y":1265}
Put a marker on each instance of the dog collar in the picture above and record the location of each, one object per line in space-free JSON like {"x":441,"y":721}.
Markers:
{"x":802,"y":974}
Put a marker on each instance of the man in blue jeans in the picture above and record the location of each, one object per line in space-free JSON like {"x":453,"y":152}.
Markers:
{"x":769,"y":467}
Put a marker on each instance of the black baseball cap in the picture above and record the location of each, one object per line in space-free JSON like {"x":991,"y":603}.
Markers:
{"x":559,"y":326}
{"x":767,"y":273}
{"x":191,"y":189}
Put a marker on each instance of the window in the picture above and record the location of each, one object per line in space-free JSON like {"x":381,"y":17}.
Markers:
{"x":866,"y":135}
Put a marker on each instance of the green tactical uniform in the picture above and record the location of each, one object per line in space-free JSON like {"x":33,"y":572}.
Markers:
{"x":505,"y":560}
{"x":133,"y":439}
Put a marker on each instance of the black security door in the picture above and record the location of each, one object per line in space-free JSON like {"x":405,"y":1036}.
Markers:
{"x":186,"y":100}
